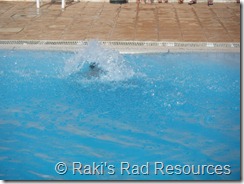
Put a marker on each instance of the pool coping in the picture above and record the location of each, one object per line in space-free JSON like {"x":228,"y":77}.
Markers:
{"x":122,"y":46}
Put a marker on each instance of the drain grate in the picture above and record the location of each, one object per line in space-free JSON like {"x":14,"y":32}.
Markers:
{"x":19,"y":42}
{"x":171,"y":44}
{"x":124,"y":44}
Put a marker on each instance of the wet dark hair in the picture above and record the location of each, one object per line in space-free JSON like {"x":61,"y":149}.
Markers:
{"x":93,"y":65}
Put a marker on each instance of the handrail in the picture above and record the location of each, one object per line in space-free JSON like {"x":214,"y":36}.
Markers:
{"x":63,"y":4}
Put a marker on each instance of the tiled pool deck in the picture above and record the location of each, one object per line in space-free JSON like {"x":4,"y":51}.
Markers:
{"x":171,"y":22}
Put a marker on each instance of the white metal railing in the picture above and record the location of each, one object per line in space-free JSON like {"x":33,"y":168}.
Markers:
{"x":63,"y":4}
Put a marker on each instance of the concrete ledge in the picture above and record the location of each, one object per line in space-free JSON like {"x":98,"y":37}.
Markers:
{"x":122,"y":46}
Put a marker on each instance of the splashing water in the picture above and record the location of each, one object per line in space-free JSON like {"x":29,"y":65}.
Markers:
{"x":109,"y":64}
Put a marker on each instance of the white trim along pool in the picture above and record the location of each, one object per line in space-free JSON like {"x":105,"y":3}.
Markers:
{"x":123,"y":46}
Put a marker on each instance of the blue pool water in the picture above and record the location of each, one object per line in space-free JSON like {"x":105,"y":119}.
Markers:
{"x":181,"y":110}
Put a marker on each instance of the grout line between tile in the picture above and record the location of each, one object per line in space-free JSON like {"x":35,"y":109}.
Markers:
{"x":157,"y":22}
{"x":178,"y":21}
{"x":202,"y":27}
{"x":115,"y":23}
{"x":221,"y":24}
{"x":98,"y":13}
{"x":136,"y":20}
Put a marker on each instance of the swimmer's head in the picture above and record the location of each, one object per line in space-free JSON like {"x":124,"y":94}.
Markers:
{"x":92,"y":65}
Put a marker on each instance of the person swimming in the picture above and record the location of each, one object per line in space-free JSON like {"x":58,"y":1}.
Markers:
{"x":93,"y":65}
{"x":94,"y":70}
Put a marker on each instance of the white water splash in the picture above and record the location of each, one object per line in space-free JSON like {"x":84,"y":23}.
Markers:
{"x":110,"y":64}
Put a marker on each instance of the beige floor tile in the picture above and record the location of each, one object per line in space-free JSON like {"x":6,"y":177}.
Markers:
{"x":130,"y":35}
{"x":105,"y":21}
{"x":194,"y":39}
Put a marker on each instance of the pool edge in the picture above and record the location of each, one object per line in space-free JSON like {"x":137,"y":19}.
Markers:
{"x":131,"y":47}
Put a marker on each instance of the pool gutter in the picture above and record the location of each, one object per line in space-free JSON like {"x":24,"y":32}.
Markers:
{"x":131,"y":47}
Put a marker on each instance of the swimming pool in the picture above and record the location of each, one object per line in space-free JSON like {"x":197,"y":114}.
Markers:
{"x":169,"y":116}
